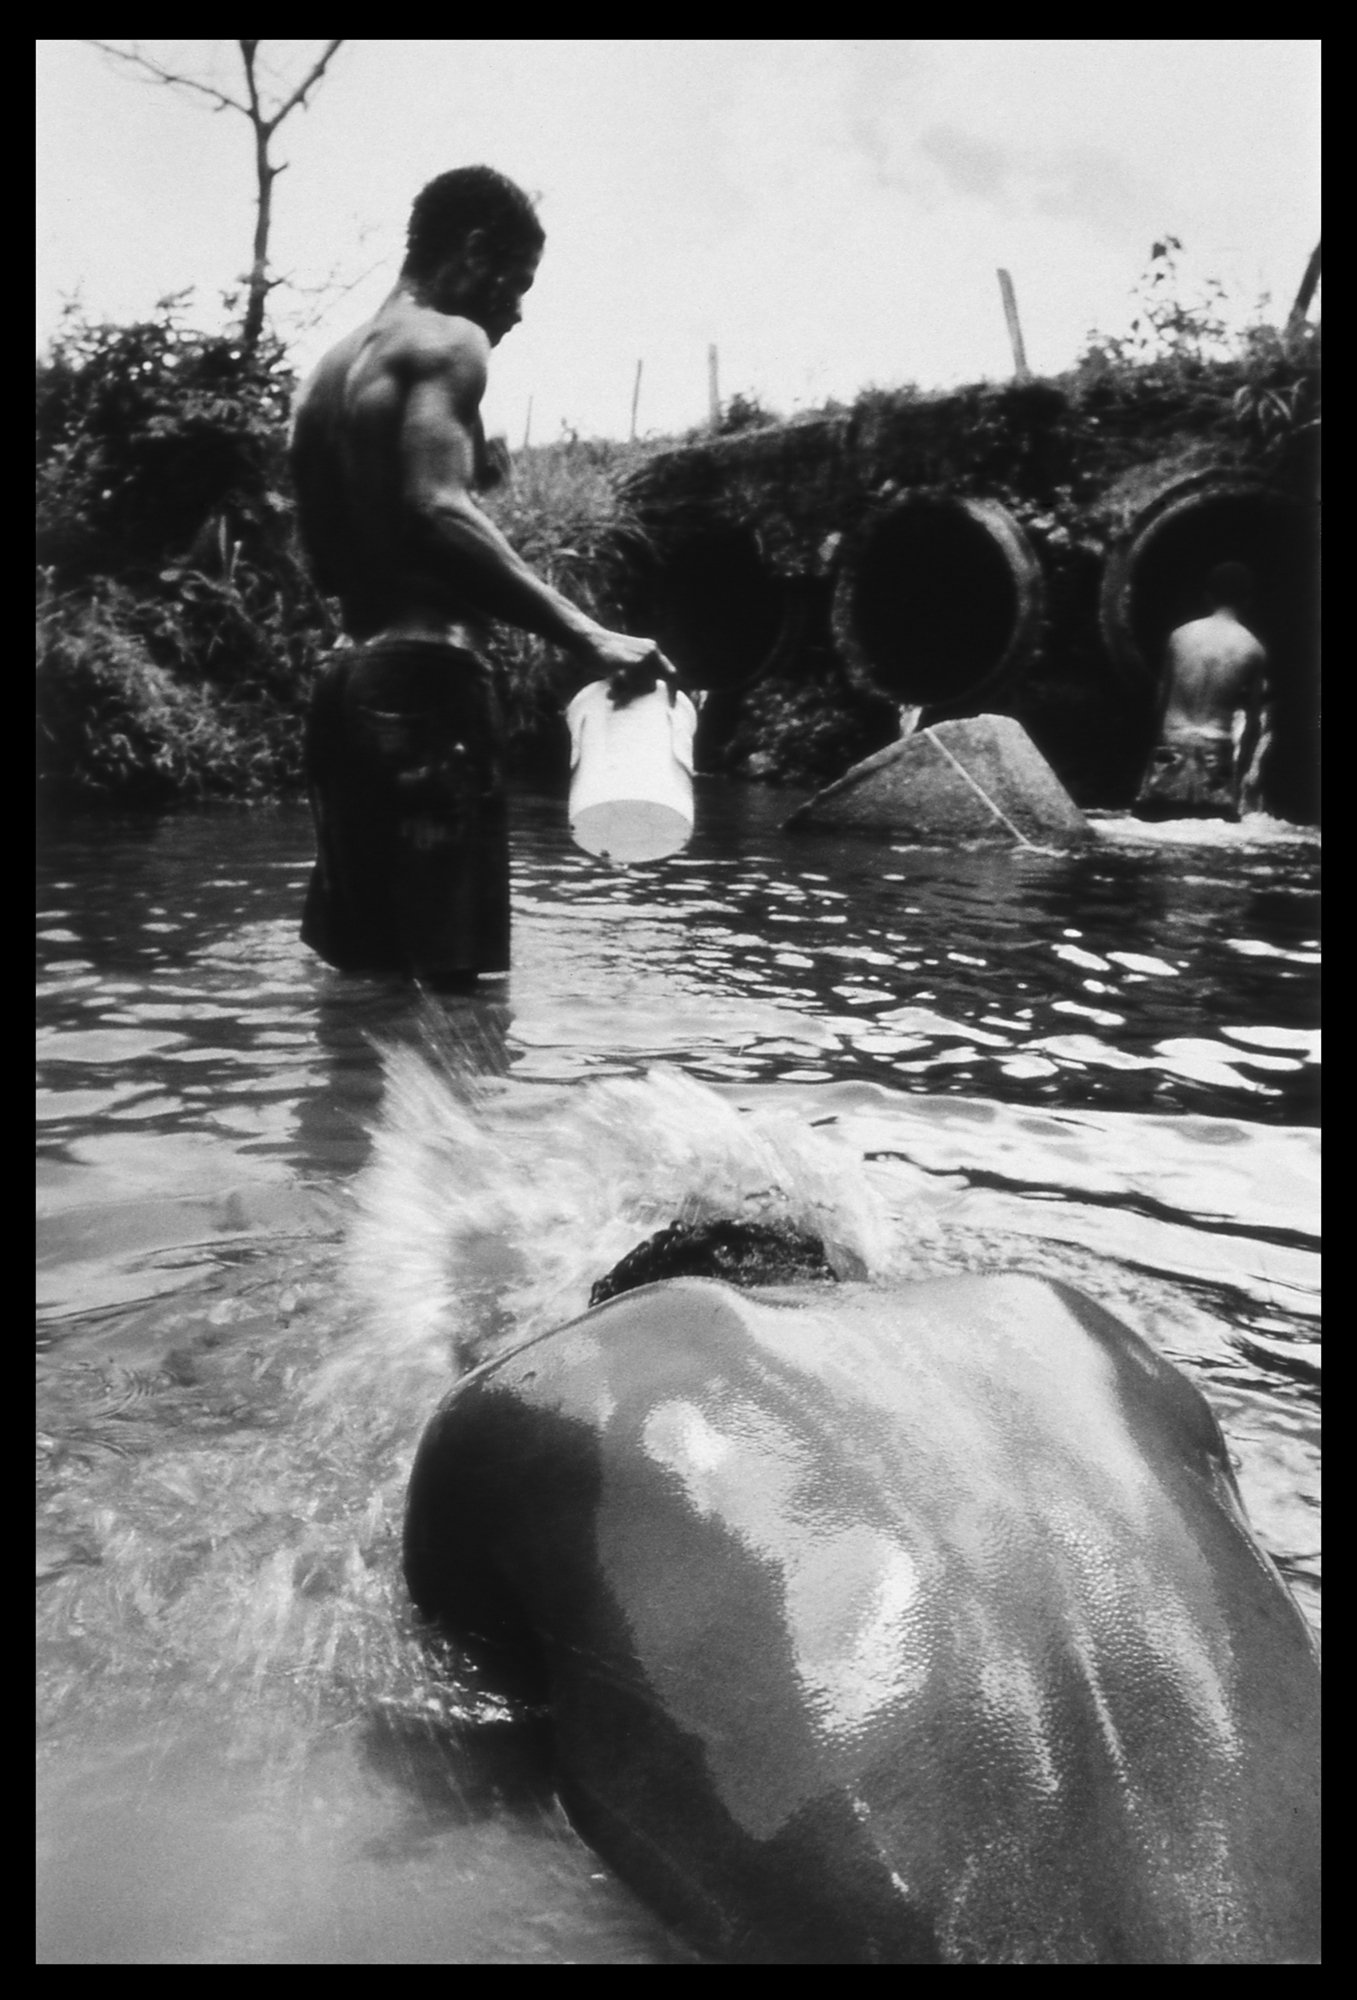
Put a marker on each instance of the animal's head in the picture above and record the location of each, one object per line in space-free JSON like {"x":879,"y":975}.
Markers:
{"x":741,"y":1253}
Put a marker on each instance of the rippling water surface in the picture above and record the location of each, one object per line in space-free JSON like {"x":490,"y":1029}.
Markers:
{"x":260,"y":1261}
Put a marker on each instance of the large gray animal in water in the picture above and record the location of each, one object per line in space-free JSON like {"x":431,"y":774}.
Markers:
{"x":886,"y":1627}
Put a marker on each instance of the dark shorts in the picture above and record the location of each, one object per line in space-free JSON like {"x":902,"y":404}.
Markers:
{"x":1189,"y":781}
{"x":404,"y":759}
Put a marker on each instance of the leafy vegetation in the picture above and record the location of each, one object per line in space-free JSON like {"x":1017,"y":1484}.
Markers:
{"x":179,"y":635}
{"x":807,"y":730}
{"x":744,"y":412}
{"x":1260,"y":386}
{"x":564,"y":512}
{"x":116,"y":723}
{"x":1177,"y":386}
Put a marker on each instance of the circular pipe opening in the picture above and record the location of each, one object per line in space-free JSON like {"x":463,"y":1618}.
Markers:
{"x":713,"y":608}
{"x":1155,"y":580}
{"x":937,"y":598}
{"x":1155,"y":577}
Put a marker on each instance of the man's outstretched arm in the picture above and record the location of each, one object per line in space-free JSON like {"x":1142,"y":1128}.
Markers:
{"x":1255,"y":738}
{"x":444,"y":523}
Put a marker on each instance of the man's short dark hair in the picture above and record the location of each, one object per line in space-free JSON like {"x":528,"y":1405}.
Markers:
{"x":449,"y":208}
{"x":740,"y":1253}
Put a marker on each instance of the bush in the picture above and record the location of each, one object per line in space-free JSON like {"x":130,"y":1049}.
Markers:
{"x":744,"y":412}
{"x":1261,"y":386}
{"x":145,"y":433}
{"x":808,"y":732}
{"x":178,"y":631}
{"x":562,"y":511}
{"x":115,"y":723}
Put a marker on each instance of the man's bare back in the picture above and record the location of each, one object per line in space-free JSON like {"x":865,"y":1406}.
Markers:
{"x":389,"y":416}
{"x":1213,"y":725}
{"x":1215,"y":668}
{"x":388,"y":453}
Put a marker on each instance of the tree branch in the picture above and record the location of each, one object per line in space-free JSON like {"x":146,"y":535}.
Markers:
{"x":153,"y":69}
{"x":254,"y":114}
{"x":299,"y":94}
{"x":263,"y":126}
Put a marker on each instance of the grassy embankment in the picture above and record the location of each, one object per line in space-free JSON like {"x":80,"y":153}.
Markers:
{"x":178,"y":633}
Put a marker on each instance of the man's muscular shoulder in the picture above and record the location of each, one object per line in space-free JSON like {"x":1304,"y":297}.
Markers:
{"x":415,"y":345}
{"x":1215,"y":639}
{"x":319,"y":387}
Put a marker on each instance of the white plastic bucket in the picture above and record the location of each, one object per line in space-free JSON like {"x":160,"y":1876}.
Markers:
{"x":631,"y":773}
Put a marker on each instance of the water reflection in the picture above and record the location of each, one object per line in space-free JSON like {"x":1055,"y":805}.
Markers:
{"x":248,"y":1758}
{"x":1004,"y":974}
{"x":173,"y":993}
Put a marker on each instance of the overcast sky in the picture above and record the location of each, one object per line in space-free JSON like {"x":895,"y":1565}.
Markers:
{"x":830,"y":214}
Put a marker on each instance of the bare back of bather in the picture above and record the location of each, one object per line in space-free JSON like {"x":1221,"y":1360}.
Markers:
{"x":388,"y":451}
{"x":1215,"y":669}
{"x":361,"y":443}
{"x":1214,"y":729}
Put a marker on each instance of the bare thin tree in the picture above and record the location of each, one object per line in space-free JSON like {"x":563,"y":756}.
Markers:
{"x":263,"y":124}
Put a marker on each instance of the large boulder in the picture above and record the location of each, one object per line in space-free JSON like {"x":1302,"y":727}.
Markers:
{"x":980,"y":780}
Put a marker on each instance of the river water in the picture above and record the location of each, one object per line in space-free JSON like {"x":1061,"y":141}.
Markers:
{"x":278,"y":1207}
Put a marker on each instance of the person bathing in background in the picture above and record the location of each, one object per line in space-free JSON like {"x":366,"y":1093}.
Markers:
{"x":1214,"y":728}
{"x":404,"y":743}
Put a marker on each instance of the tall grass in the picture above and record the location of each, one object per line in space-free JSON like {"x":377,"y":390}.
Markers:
{"x":179,"y":636}
{"x":117,"y":724}
{"x":563,"y":511}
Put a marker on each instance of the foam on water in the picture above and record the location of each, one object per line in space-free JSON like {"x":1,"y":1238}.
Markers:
{"x":1256,"y":829}
{"x":237,"y":1534}
{"x":487,"y":1211}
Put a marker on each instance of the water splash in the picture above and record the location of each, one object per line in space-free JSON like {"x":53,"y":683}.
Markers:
{"x":487,"y":1211}
{"x":1255,"y":829}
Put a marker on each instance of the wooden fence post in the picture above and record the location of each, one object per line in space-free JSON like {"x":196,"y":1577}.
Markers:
{"x":1020,"y":367}
{"x":1306,"y":293}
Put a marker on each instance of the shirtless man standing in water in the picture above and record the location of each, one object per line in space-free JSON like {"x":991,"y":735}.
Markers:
{"x":404,"y":741}
{"x":1213,"y":732}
